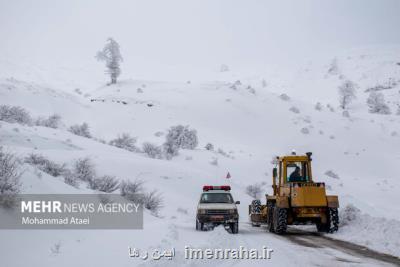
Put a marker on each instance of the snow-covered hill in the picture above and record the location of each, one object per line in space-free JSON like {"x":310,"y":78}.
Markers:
{"x":245,"y":116}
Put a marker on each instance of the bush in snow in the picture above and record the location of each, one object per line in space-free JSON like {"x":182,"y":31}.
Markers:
{"x":84,"y":170}
{"x":112,"y":56}
{"x":81,"y":130}
{"x":305,"y":130}
{"x":132,"y":191}
{"x":152,"y":150}
{"x":294,"y":110}
{"x":376,"y":103}
{"x":52,"y":121}
{"x":333,"y":68}
{"x":124,"y":141}
{"x":44,"y":164}
{"x":105,"y":183}
{"x":254,"y":190}
{"x":182,"y":137}
{"x":347,"y":92}
{"x":318,"y":106}
{"x":209,"y":146}
{"x":15,"y":114}
{"x":284,"y":97}
{"x":153,"y":201}
{"x":224,"y":68}
{"x":10,"y":173}
{"x":346,"y":114}
{"x":170,"y":150}
{"x":214,"y":162}
{"x":70,"y":179}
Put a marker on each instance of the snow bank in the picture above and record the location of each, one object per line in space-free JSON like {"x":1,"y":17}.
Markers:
{"x":379,"y":234}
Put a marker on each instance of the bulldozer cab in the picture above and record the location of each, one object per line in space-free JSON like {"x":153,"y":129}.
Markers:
{"x":292,"y":169}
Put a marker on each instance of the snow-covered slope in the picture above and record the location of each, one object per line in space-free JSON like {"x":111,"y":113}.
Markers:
{"x":250,"y":126}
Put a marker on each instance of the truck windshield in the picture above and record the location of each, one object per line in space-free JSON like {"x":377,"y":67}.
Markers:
{"x":216,"y":198}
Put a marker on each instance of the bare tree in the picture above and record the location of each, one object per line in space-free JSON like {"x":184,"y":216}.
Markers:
{"x":347,"y":92}
{"x":112,"y":56}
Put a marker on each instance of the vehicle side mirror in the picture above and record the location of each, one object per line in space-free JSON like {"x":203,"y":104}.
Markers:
{"x":274,"y":172}
{"x":237,"y":202}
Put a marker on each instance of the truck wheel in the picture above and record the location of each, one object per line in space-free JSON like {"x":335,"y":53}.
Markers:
{"x":270,"y":217}
{"x":235,"y":228}
{"x":334,"y":220}
{"x":280,"y":220}
{"x":256,"y":206}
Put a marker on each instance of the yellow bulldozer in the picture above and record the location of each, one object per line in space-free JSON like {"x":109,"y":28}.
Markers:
{"x":296,"y":198}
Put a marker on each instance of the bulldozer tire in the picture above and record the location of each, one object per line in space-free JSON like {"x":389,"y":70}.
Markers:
{"x":334,"y":220}
{"x":256,"y":206}
{"x":332,"y":224}
{"x":280,"y":220}
{"x":270,"y":217}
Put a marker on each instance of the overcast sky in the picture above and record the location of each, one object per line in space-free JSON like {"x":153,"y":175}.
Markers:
{"x":201,"y":33}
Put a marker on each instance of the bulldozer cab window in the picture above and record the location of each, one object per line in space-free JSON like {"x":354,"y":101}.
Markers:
{"x":297,"y":172}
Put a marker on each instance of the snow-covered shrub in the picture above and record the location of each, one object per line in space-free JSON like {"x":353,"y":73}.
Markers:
{"x":70,"y":179}
{"x":333,"y":67}
{"x":15,"y":114}
{"x":52,"y":121}
{"x":284,"y":97}
{"x":139,"y":90}
{"x":318,"y":106}
{"x":153,"y":201}
{"x":254,"y":190}
{"x":132,"y":191}
{"x":10,"y":173}
{"x":294,"y":110}
{"x":214,"y":162}
{"x":182,"y":137}
{"x":251,"y":90}
{"x":376,"y":103}
{"x":332,"y":174}
{"x":224,"y":68}
{"x":264,"y":83}
{"x":84,"y":170}
{"x":346,"y":114}
{"x":158,"y":134}
{"x":170,"y":150}
{"x":124,"y":141}
{"x":152,"y":150}
{"x":331,"y":109}
{"x":209,"y":146}
{"x":105,"y":183}
{"x":45,"y":165}
{"x":81,"y":130}
{"x":347,"y":92}
{"x":305,"y":130}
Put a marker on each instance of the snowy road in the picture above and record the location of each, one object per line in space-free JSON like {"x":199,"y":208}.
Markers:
{"x":300,"y":248}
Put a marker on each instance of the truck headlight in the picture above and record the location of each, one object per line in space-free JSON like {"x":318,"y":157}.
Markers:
{"x":202,"y":211}
{"x":232,"y":211}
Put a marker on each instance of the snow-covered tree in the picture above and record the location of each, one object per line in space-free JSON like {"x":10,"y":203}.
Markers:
{"x":376,"y":103}
{"x":347,"y":92}
{"x":182,"y":137}
{"x":112,"y":56}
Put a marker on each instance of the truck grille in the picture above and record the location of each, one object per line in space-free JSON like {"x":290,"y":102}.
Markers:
{"x":217,"y":212}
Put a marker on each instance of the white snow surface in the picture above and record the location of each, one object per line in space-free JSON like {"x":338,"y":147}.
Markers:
{"x":363,"y":150}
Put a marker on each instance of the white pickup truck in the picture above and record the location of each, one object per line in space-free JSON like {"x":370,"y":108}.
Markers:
{"x":216,"y":206}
